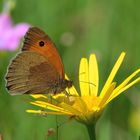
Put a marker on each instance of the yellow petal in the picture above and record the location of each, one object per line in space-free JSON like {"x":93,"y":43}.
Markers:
{"x":71,"y":90}
{"x":93,"y":75}
{"x":80,"y":104}
{"x":34,"y":111}
{"x":70,"y":109}
{"x":49,"y":106}
{"x":125,"y":88}
{"x":107,"y":95}
{"x":46,"y":112}
{"x":125,"y":82}
{"x":112,"y":74}
{"x":36,"y":96}
{"x":84,"y":77}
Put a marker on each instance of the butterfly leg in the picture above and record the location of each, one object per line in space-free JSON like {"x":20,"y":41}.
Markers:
{"x":67,"y":93}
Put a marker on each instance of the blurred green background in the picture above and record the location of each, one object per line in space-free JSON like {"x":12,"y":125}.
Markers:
{"x":78,"y":28}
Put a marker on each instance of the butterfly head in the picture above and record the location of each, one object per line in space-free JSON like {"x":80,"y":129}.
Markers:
{"x":68,"y":83}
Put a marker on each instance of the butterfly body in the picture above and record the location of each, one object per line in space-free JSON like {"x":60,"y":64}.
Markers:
{"x":38,"y":69}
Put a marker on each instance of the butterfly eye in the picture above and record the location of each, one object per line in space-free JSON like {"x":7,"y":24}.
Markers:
{"x":41,"y":43}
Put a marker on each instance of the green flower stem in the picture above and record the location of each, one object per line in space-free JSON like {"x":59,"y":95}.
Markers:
{"x":91,"y":131}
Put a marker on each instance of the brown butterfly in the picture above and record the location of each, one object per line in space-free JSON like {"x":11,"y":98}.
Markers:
{"x":38,"y":69}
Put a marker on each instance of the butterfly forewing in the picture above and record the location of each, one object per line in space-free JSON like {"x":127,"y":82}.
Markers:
{"x":32,"y":41}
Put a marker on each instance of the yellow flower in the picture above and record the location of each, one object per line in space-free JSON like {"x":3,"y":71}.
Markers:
{"x":87,"y":106}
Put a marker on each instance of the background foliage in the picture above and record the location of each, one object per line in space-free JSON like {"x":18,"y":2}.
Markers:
{"x":78,"y":28}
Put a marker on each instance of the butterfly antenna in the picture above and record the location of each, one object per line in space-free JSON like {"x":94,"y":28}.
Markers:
{"x":88,"y":83}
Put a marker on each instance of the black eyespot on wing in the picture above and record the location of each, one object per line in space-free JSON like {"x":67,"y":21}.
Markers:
{"x":32,"y":36}
{"x":41,"y":43}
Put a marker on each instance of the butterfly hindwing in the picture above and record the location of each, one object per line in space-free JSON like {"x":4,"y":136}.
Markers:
{"x":30,"y":73}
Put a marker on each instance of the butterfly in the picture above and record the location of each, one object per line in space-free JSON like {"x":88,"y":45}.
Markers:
{"x":38,"y":68}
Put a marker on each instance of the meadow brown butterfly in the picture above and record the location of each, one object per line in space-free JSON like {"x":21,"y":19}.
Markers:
{"x":38,"y":69}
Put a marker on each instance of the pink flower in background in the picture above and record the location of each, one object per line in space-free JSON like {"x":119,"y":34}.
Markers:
{"x":10,"y":35}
